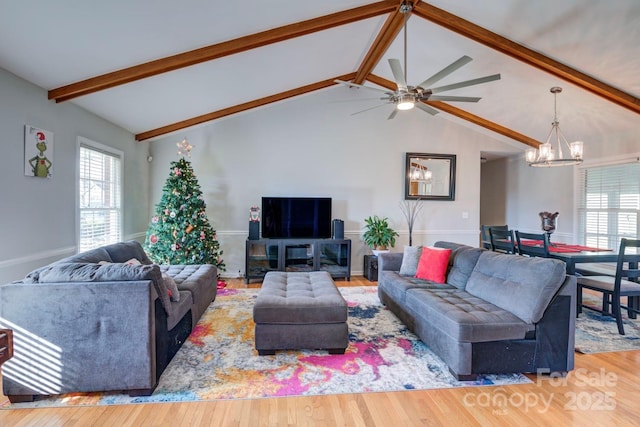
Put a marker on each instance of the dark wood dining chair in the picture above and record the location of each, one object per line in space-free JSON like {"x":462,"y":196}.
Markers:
{"x":623,"y":284}
{"x":502,"y":241}
{"x":484,"y":234}
{"x":541,"y":250}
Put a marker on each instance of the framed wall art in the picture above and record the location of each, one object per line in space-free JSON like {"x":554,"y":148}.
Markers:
{"x":38,"y":152}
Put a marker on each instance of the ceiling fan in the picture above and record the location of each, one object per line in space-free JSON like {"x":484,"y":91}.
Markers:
{"x":406,"y":97}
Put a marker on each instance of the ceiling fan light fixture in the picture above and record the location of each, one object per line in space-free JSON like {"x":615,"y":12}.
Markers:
{"x":406,"y":102}
{"x":406,"y":97}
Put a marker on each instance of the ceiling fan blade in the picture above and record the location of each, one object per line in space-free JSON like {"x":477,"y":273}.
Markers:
{"x":445,"y":71}
{"x":454,"y":98}
{"x":363,"y":87}
{"x":466,"y":83}
{"x":367,"y":109}
{"x":338,"y":101}
{"x":393,"y":113}
{"x":426,"y":108}
{"x":398,"y":75}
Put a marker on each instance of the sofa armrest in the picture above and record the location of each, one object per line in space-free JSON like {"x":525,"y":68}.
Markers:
{"x":390,"y":261}
{"x":556,"y":330}
{"x":81,"y":336}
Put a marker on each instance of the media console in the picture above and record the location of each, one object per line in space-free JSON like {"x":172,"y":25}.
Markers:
{"x":331,"y":255}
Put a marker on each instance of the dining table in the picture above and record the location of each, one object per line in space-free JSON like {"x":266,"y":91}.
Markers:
{"x":577,"y":254}
{"x":573,"y":258}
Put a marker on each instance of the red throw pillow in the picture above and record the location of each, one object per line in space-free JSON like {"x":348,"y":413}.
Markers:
{"x":433,"y":264}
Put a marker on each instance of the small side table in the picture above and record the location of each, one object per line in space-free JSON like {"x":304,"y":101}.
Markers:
{"x":371,"y":268}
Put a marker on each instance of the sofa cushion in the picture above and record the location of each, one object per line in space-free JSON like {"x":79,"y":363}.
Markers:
{"x":199,"y":280}
{"x":396,"y":286}
{"x":433,"y":264}
{"x":410,"y":259}
{"x":124,"y":251}
{"x":91,"y":256}
{"x":90,"y":272}
{"x":522,"y":285}
{"x":461,"y":262}
{"x":464,"y":317}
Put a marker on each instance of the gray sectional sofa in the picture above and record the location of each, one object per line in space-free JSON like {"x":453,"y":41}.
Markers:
{"x":496,"y":313}
{"x":102,"y":320}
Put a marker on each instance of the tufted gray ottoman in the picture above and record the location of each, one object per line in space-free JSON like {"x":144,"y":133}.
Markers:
{"x":300,"y":311}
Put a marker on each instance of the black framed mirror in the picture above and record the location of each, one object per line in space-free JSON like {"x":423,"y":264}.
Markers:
{"x":430,"y":176}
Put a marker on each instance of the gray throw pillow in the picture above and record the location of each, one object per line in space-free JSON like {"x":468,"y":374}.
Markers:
{"x":410,"y":259}
{"x":172,"y":287}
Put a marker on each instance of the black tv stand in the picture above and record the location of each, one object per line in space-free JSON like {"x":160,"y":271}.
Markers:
{"x":331,"y":255}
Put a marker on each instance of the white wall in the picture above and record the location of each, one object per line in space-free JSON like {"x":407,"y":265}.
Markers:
{"x":37,"y":216}
{"x":312,"y":146}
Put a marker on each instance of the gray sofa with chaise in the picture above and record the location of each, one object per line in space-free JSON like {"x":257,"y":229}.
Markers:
{"x":103,"y":320}
{"x":496,"y":313}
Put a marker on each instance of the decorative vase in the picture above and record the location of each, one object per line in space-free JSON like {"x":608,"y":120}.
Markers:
{"x":548,"y":222}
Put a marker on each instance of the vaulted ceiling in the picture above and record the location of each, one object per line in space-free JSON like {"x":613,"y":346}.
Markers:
{"x":155,"y":67}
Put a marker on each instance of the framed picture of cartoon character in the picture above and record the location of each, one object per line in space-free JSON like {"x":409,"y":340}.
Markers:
{"x":38,"y":152}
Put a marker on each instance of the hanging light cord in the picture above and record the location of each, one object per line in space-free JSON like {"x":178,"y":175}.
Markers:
{"x":405,"y":43}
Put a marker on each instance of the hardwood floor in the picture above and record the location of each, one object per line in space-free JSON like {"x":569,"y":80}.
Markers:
{"x":601,"y":391}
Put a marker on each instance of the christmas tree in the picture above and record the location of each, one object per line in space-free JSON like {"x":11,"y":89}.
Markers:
{"x":179,"y":232}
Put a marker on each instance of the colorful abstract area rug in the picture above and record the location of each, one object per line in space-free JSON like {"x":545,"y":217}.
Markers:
{"x":596,"y":333}
{"x":219,"y":360}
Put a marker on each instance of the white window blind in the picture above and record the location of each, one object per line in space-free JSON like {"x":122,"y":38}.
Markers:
{"x":608,"y":204}
{"x":99,"y":202}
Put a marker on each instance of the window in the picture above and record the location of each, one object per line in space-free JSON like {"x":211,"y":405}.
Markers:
{"x":608,"y":204}
{"x":99,"y":196}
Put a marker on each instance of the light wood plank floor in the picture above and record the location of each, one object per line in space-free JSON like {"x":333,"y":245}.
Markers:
{"x":602,"y":391}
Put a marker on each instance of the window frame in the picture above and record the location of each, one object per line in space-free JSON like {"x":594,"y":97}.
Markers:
{"x":613,"y":239}
{"x":83,"y":142}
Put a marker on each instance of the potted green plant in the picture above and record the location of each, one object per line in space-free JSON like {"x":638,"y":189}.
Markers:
{"x":378,"y":235}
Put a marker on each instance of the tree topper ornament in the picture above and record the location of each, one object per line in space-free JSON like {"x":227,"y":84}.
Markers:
{"x":184,"y":148}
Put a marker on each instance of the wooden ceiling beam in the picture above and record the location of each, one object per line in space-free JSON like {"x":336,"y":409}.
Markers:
{"x":526,"y":55}
{"x":230,"y":47}
{"x":385,"y":37}
{"x":241,"y":107}
{"x":465,"y":115}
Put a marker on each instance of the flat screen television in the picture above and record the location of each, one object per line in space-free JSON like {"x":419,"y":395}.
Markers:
{"x":296,"y":217}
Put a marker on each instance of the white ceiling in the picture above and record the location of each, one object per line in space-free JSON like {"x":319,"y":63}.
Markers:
{"x":52,"y":44}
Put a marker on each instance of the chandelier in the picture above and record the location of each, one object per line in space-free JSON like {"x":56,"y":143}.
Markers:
{"x":419,"y":172}
{"x":546,"y":155}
